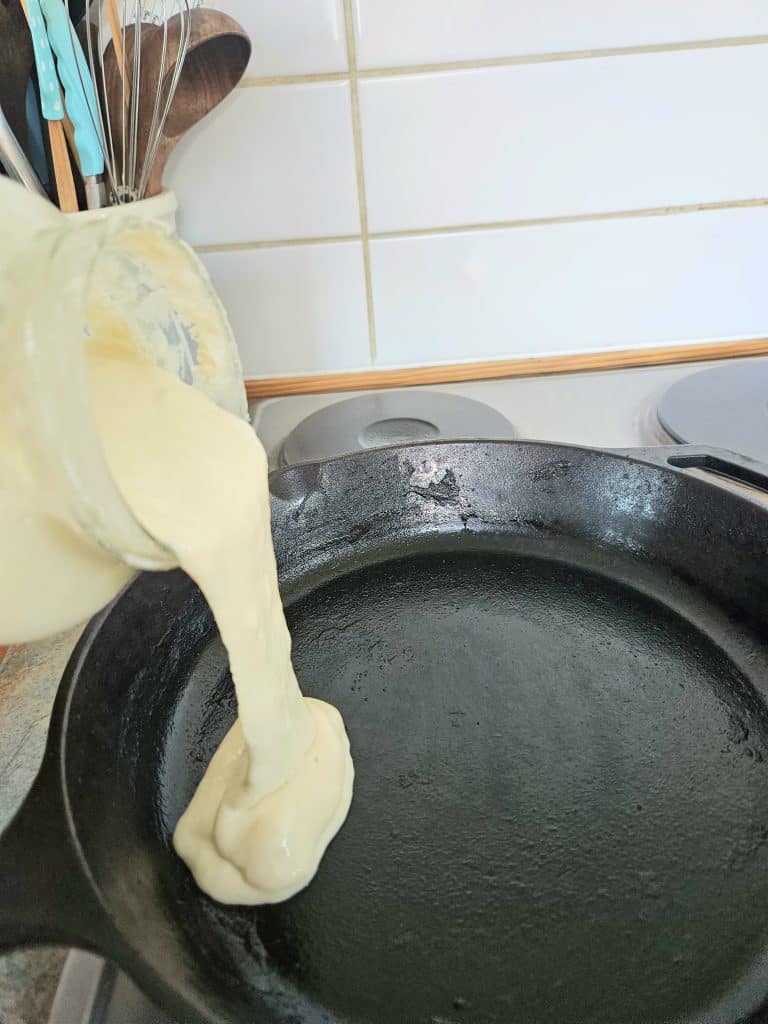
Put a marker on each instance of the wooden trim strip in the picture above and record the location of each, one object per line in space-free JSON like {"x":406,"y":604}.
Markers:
{"x":528,"y":366}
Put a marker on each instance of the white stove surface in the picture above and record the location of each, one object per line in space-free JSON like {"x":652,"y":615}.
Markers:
{"x":609,"y":409}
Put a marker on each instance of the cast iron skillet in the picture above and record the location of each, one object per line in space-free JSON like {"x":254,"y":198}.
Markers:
{"x":552,"y":665}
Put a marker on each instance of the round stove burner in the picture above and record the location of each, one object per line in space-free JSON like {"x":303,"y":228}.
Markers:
{"x":391,"y":417}
{"x":726,"y":407}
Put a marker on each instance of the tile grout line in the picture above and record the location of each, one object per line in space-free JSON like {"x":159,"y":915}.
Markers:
{"x":256,"y":81}
{"x":557,"y":57}
{"x":491,"y":62}
{"x":357,"y":139}
{"x":480,"y":226}
{"x":274,"y":243}
{"x":574,"y":218}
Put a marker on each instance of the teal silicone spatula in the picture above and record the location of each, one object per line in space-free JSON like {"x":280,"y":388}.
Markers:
{"x":51,"y":106}
{"x":79,"y":97}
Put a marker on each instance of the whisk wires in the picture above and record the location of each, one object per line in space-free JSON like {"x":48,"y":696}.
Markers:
{"x":136,"y":53}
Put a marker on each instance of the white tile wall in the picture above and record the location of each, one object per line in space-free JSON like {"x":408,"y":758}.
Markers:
{"x":295,"y":309}
{"x":550,"y":140}
{"x":291,"y":37}
{"x":272,"y":162}
{"x":397,"y":32}
{"x":571,"y":287}
{"x":532,"y":139}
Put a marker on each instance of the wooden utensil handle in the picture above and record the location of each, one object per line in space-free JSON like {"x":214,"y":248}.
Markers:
{"x":62,"y":168}
{"x":116,"y":28}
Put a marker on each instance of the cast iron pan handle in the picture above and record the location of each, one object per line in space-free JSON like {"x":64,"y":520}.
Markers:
{"x":719,"y":462}
{"x":45,"y":895}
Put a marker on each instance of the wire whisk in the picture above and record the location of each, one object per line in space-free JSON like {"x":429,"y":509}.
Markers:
{"x":136,"y":50}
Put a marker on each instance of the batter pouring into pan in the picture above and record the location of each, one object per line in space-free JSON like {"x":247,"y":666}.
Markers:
{"x":280,"y":785}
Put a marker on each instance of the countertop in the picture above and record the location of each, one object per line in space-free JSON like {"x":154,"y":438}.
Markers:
{"x":29,"y":678}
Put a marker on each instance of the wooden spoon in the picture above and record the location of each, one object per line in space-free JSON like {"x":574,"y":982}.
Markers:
{"x":217,"y":56}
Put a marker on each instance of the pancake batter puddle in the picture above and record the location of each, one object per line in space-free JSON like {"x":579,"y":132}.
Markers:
{"x":280,"y":785}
